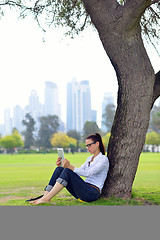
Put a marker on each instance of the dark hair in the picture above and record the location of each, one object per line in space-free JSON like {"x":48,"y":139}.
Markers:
{"x":97,"y":138}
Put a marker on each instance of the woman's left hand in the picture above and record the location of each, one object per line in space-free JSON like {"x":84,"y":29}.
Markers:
{"x":66,"y":163}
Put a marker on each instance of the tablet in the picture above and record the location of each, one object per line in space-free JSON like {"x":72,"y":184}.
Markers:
{"x":60,"y":154}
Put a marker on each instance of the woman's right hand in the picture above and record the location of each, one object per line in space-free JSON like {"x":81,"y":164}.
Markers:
{"x":58,"y":162}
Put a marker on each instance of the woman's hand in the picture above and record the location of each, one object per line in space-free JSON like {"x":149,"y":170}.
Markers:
{"x":66,"y":164}
{"x":58,"y":162}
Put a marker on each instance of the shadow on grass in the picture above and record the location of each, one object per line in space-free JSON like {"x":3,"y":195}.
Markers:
{"x":70,"y":201}
{"x":139,"y":198}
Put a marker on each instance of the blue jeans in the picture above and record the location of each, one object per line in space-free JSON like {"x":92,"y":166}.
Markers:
{"x":74,"y":184}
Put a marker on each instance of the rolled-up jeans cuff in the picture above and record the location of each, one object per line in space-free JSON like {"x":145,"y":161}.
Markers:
{"x":62,"y":181}
{"x":48,"y":188}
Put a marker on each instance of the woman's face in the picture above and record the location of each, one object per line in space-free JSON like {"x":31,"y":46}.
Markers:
{"x":92,"y":146}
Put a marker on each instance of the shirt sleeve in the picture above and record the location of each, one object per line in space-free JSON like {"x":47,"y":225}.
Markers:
{"x":86,"y":171}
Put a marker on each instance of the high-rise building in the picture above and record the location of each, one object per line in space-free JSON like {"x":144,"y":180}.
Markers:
{"x":7,"y":122}
{"x":18,"y":116}
{"x":35,"y":107}
{"x":107,"y":99}
{"x":78,"y":105}
{"x":1,"y":129}
{"x":51,"y":104}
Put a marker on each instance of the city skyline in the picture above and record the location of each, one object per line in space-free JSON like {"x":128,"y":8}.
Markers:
{"x":80,"y":91}
{"x":79,"y":105}
{"x":29,"y":58}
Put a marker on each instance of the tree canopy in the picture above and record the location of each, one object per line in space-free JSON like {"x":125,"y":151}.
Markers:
{"x":29,"y":123}
{"x":72,"y":14}
{"x":90,"y":128}
{"x":152,"y":138}
{"x":10,"y":142}
{"x":74,"y":134}
{"x":108,"y":116}
{"x":62,"y":140}
{"x":48,"y":126}
{"x":106,"y":139}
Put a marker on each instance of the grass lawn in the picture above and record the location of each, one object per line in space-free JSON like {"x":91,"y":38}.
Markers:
{"x":25,"y":175}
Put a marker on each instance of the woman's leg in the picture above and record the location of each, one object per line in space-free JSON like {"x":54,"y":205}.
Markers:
{"x":74,"y":184}
{"x":77,"y":186}
{"x":49,"y":187}
{"x":47,"y":198}
{"x":53,"y":179}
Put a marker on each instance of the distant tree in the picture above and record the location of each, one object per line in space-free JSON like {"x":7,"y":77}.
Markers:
{"x":62,"y":140}
{"x":18,"y":138}
{"x":108,"y":116}
{"x":106,"y":139}
{"x":28,"y":133}
{"x":74,"y":134}
{"x":154,"y":124}
{"x":72,"y":147}
{"x":8,"y":142}
{"x":152,"y":138}
{"x":12,"y":141}
{"x":82,"y":146}
{"x":90,"y":128}
{"x":48,"y":126}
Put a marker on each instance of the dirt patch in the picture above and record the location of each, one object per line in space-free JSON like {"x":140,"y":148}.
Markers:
{"x":6,"y":199}
{"x":146,"y":203}
{"x":10,"y":194}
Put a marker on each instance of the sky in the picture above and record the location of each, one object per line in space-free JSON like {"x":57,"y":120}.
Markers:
{"x":28,"y":58}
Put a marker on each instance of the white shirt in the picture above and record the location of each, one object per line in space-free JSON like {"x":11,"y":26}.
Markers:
{"x":96,"y":171}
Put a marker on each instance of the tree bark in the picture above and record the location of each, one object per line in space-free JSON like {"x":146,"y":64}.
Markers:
{"x":120,"y":34}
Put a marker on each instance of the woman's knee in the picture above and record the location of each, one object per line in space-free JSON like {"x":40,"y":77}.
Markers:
{"x":66,"y":174}
{"x":68,"y":171}
{"x":59,"y":169}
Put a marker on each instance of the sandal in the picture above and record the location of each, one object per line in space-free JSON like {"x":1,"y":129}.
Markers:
{"x":33,"y":199}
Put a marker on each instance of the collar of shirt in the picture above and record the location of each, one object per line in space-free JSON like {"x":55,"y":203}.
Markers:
{"x":94,"y":160}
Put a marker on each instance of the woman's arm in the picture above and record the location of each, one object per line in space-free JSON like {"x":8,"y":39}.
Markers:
{"x":93,"y":169}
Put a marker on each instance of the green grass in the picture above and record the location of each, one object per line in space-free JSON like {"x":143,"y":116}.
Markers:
{"x":25,"y":175}
{"x":147,"y":181}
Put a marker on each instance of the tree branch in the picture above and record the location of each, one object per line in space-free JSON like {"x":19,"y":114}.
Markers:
{"x":134,"y":9}
{"x":154,"y":1}
{"x":36,"y":7}
{"x":110,"y":4}
{"x":156,"y":89}
{"x":106,"y":7}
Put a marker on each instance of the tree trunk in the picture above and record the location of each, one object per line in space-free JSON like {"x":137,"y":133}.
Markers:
{"x":136,"y":80}
{"x":123,"y":44}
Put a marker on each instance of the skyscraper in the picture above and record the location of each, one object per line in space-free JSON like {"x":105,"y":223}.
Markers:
{"x":78,"y":104}
{"x":7,"y":122}
{"x":1,"y":129}
{"x":35,"y":108}
{"x":51,"y":104}
{"x":18,"y":116}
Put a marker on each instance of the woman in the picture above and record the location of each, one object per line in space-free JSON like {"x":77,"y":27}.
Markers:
{"x":95,"y":170}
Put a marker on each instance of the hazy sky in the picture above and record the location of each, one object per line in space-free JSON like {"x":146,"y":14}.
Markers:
{"x":26,"y":62}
